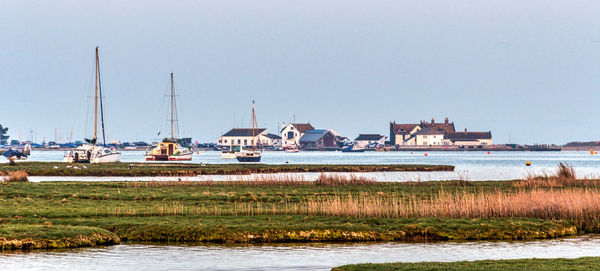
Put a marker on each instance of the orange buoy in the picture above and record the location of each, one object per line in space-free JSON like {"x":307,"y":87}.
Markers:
{"x":528,"y":163}
{"x":425,"y":154}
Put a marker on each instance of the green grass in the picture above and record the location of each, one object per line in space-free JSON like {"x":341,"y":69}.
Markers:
{"x":586,"y":263}
{"x":226,"y":213}
{"x":47,"y":235}
{"x":182,"y":169}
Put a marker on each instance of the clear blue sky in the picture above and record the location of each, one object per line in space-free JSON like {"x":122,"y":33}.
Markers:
{"x":528,"y":68}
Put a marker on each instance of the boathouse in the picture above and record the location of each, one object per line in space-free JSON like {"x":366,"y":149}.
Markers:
{"x":364,"y":140}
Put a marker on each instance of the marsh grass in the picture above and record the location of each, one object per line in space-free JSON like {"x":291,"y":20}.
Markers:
{"x":332,"y":179}
{"x":563,"y":176}
{"x":14,"y":176}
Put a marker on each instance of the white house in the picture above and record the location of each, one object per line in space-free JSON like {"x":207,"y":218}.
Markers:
{"x":243,"y":137}
{"x":423,"y":134}
{"x":363,"y":140}
{"x":292,"y":132}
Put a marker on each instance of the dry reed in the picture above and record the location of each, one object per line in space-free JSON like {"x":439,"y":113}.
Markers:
{"x":564,"y":176}
{"x":14,"y":176}
{"x":267,"y":180}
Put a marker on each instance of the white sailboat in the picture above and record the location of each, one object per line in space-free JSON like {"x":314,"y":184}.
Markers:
{"x":92,"y":152}
{"x":253,"y":155}
{"x":169,"y":149}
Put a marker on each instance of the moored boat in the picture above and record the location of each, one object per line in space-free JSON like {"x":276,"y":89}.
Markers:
{"x":353,"y":148}
{"x":231,"y":153}
{"x":91,"y":152}
{"x":254,"y":155}
{"x":169,"y":149}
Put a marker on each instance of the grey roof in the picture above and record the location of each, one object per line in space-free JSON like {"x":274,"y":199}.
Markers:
{"x":244,"y":132}
{"x":313,"y":135}
{"x":430,"y":131}
{"x":369,"y":137}
{"x":272,"y":136}
{"x":468,"y":136}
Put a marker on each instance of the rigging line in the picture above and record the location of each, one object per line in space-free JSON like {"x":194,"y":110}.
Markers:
{"x":88,"y":98}
{"x":101,"y":108}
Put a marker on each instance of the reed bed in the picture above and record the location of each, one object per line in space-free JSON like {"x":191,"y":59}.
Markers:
{"x":572,"y":204}
{"x":564,"y":176}
{"x":14,"y":176}
{"x":324,"y":179}
{"x":581,"y":205}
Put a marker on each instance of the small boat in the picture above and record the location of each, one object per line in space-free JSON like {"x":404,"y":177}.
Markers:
{"x":293,"y":149}
{"x":247,"y":155}
{"x":13,"y":155}
{"x":353,"y":148}
{"x":231,"y":153}
{"x":169,"y":149}
{"x":92,"y":152}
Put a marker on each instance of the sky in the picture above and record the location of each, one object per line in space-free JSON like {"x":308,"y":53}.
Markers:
{"x":529,"y":71}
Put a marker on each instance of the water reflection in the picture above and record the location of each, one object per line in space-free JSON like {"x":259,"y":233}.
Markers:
{"x":290,"y":256}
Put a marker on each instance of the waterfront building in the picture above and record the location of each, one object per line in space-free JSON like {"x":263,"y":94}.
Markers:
{"x":319,"y":140}
{"x":468,"y":138}
{"x":365,"y":140}
{"x":422,"y":134}
{"x":292,"y":132}
{"x":242,"y":137}
{"x":272,"y":140}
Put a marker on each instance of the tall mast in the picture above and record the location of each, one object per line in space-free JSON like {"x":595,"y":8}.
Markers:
{"x":252,"y":125}
{"x":96,"y":101}
{"x":172,"y":100}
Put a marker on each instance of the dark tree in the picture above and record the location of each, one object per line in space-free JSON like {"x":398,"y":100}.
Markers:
{"x":3,"y":135}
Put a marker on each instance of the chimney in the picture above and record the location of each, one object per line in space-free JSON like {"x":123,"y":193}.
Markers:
{"x":446,"y":121}
{"x":432,"y":120}
{"x":283,"y":125}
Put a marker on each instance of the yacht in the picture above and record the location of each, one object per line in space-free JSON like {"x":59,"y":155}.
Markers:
{"x":91,"y":152}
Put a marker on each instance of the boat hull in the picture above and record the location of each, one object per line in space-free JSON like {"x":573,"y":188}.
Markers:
{"x":248,"y":159}
{"x":228,"y":155}
{"x":359,"y":150}
{"x":107,"y":158}
{"x":158,"y":157}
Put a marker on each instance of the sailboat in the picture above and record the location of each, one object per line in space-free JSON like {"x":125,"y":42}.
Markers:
{"x":247,"y":155}
{"x":169,"y":149}
{"x":92,"y":152}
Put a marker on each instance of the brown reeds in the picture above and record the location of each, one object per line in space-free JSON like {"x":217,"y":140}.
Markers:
{"x":267,"y":180}
{"x":339,"y":179}
{"x":14,"y":176}
{"x":572,"y":204}
{"x":564,"y":176}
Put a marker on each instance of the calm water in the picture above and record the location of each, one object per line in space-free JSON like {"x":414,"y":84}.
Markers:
{"x":469,"y":165}
{"x":289,"y":257}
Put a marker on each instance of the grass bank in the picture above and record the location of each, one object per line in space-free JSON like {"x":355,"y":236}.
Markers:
{"x":586,"y":263}
{"x":183,"y":169}
{"x":334,"y":209}
{"x":47,"y":236}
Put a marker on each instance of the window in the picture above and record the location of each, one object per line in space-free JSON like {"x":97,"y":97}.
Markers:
{"x":239,"y":141}
{"x":245,"y":142}
{"x":424,"y":136}
{"x":225,"y":141}
{"x":290,"y":135}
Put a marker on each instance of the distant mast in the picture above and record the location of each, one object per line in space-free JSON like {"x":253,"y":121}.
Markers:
{"x":253,"y":119}
{"x":172,"y":102}
{"x":96,"y":100}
